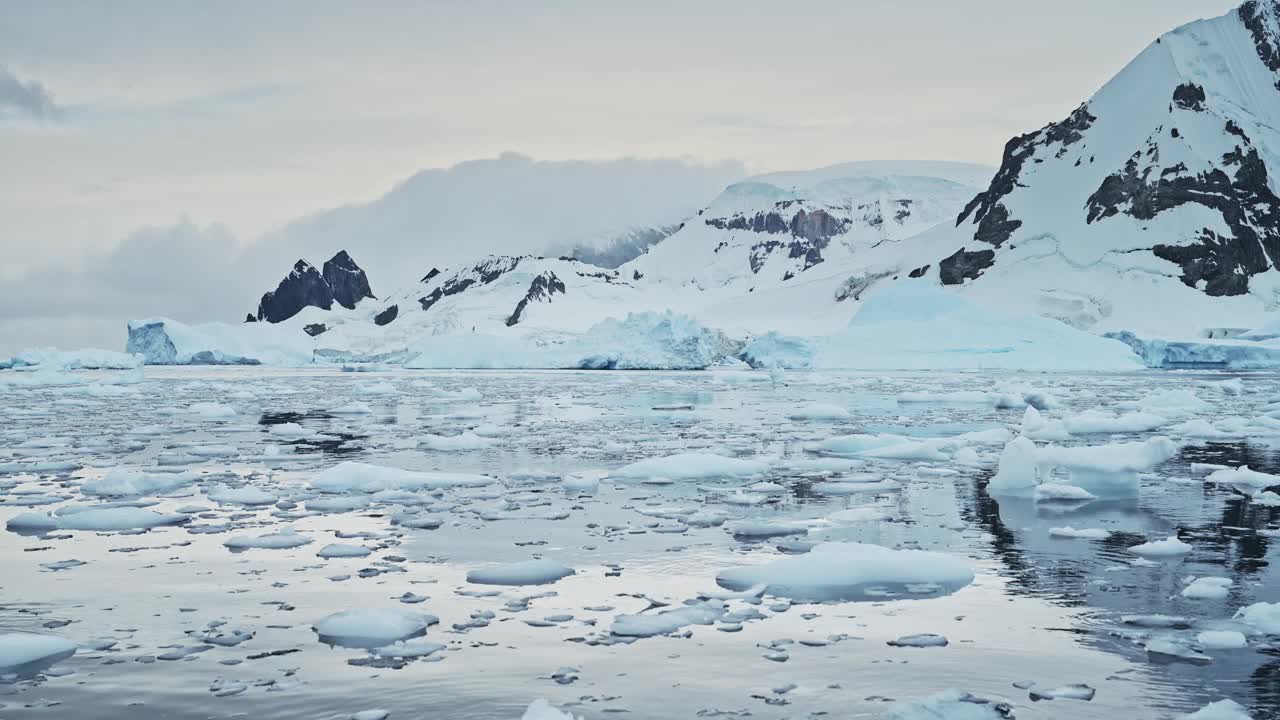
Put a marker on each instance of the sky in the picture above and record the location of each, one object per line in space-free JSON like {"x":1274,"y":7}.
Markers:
{"x":149,"y":137}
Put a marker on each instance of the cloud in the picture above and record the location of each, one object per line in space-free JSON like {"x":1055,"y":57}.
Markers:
{"x":508,"y":204}
{"x":30,"y":99}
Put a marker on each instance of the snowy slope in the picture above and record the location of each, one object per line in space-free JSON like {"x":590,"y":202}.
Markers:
{"x":1157,"y":193}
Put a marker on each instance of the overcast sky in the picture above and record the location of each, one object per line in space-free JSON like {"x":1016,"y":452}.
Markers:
{"x":234,"y":118}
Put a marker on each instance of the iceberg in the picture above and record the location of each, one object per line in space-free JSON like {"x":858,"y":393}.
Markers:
{"x":87,"y":359}
{"x":161,"y":341}
{"x":916,"y":326}
{"x":853,"y":571}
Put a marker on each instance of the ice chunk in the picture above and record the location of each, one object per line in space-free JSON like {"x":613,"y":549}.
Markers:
{"x":1262,"y":616}
{"x":542,"y":710}
{"x":283,"y":540}
{"x":1221,"y":710}
{"x":89,"y":518}
{"x":819,"y":411}
{"x":124,"y":482}
{"x":212,"y":410}
{"x":1094,"y":421}
{"x":528,"y":572}
{"x":1083,"y":533}
{"x":372,"y":627}
{"x":353,"y":408}
{"x":1243,"y":476}
{"x":949,"y":705}
{"x":245,"y":495}
{"x":366,"y":478}
{"x":1208,"y":588}
{"x":1221,"y":640}
{"x":668,"y":621}
{"x":690,"y":466}
{"x":922,"y":640}
{"x":338,"y":550}
{"x":1169,"y":547}
{"x":415,"y":648}
{"x":24,"y":654}
{"x":851,"y":571}
{"x":456,"y":443}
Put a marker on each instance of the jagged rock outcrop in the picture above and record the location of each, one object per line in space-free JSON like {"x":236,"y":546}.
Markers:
{"x":993,"y":223}
{"x":541,"y":289}
{"x":964,"y":265}
{"x":482,"y":273}
{"x":346,"y":280}
{"x":303,"y":287}
{"x":386,"y":316}
{"x":341,"y":281}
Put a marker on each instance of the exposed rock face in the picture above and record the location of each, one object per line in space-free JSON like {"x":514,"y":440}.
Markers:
{"x":541,"y":289}
{"x":342,"y":281}
{"x":1189,"y":96}
{"x":303,"y":287}
{"x":386,"y":316}
{"x":1260,"y":18}
{"x":1218,"y":265}
{"x":346,"y":280}
{"x":314,"y":329}
{"x":811,"y":230}
{"x":963,"y":265}
{"x":482,"y":273}
{"x":994,"y":226}
{"x":250,"y":318}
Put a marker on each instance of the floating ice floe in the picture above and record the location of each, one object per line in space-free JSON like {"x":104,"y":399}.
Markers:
{"x":919,"y":641}
{"x":25,"y":654}
{"x":284,"y":540}
{"x":543,"y":710}
{"x":86,"y":359}
{"x":1208,"y":588}
{"x":949,"y":705}
{"x":366,"y":478}
{"x":528,"y":572}
{"x":1104,"y":470}
{"x":853,"y":571}
{"x":668,"y":621}
{"x":1221,"y":710}
{"x":1243,"y":477}
{"x":212,"y":410}
{"x":1263,"y":617}
{"x":456,"y":443}
{"x":372,"y":627}
{"x":1221,"y":640}
{"x":124,"y":482}
{"x":89,"y":518}
{"x":244,"y":495}
{"x":1081,"y":533}
{"x":819,"y":411}
{"x":1169,"y":547}
{"x":690,"y":466}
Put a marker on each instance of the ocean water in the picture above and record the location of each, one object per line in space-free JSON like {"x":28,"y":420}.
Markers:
{"x":1043,"y":612}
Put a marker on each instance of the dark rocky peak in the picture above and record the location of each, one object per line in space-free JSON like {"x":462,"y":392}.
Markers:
{"x":304,"y":286}
{"x":1239,"y":190}
{"x":1189,"y":96}
{"x":993,"y":224}
{"x":542,"y":289}
{"x":346,"y":280}
{"x":1262,"y":19}
{"x":484,"y":272}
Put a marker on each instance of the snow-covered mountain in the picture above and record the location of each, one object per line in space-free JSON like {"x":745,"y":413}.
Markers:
{"x":1150,"y":209}
{"x":1152,"y":206}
